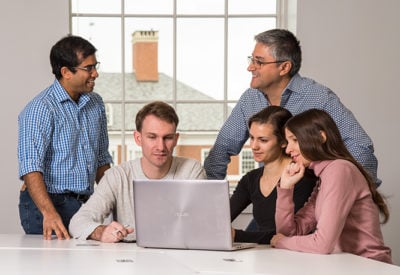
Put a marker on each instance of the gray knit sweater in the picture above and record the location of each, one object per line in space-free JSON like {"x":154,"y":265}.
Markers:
{"x":114,"y":195}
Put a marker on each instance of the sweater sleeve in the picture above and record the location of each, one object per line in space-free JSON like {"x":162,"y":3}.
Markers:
{"x":317,"y":227}
{"x":96,"y":209}
{"x":229,"y":142}
{"x":286,"y":221}
{"x":260,"y":237}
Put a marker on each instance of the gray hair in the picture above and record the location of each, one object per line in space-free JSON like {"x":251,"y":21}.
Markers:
{"x":283,"y":45}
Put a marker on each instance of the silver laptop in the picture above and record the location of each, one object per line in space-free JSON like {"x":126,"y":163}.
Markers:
{"x":184,"y":214}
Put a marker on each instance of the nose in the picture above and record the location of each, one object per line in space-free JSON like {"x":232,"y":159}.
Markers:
{"x":288,"y":149}
{"x":160,"y":144}
{"x":253,"y":144}
{"x":94,"y":73}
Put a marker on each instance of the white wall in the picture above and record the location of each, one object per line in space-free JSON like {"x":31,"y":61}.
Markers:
{"x":353,"y":47}
{"x":28,"y":30}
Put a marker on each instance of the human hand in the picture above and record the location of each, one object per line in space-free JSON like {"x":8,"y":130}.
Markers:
{"x":53,"y":222}
{"x":115,"y":232}
{"x":276,"y":239}
{"x":291,"y":175}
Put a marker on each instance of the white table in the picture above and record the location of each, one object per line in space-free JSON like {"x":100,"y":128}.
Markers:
{"x":30,"y":254}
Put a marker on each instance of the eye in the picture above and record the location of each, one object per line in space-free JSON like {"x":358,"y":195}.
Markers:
{"x":258,"y":62}
{"x":90,"y":67}
{"x":169,"y":137}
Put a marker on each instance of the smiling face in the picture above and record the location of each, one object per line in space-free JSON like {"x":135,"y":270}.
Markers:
{"x":80,"y":81}
{"x":264,"y":143}
{"x":158,"y":139}
{"x":293,"y":149}
{"x":267,"y":76}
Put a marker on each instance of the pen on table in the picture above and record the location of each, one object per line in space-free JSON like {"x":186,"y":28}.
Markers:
{"x":117,"y":230}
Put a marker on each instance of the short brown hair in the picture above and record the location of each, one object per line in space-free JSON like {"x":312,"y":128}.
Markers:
{"x":159,"y":109}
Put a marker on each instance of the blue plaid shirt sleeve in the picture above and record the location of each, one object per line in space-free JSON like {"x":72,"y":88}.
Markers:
{"x":300,"y":95}
{"x":233,"y":134}
{"x":34,"y":125}
{"x":104,"y":156}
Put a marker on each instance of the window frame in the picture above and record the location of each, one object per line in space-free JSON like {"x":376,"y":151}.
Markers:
{"x":283,"y":9}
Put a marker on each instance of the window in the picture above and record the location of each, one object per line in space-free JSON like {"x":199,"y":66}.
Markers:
{"x":247,"y":163}
{"x":204,"y":154}
{"x":189,"y":53}
{"x":109,"y":113}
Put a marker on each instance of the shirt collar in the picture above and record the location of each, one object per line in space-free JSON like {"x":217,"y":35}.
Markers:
{"x":62,"y":95}
{"x":319,"y":166}
{"x":293,"y":85}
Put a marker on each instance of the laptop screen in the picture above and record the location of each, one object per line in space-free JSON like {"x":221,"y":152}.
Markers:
{"x":190,"y":214}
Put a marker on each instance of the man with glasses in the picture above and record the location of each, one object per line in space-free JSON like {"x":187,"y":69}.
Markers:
{"x":274,"y":67}
{"x":62,"y":141}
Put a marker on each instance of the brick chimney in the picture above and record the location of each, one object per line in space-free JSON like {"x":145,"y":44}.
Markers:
{"x":145,"y":55}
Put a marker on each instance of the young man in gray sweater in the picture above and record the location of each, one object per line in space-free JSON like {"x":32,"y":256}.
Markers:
{"x":156,"y":134}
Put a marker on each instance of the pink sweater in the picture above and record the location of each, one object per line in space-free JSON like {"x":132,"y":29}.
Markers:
{"x":339,"y":216}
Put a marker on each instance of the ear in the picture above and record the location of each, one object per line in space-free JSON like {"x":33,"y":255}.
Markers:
{"x":138,"y":138}
{"x":323,"y":136}
{"x":285,"y":68}
{"x":176,"y":138}
{"x":65,"y":73}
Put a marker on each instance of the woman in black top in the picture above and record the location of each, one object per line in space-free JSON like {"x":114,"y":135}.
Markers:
{"x":267,"y":141}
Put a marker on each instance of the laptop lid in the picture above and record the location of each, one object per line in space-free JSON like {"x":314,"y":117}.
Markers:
{"x":185,"y":214}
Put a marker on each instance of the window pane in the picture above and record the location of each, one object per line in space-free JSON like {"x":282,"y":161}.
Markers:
{"x":109,"y":86}
{"x":105,"y":35}
{"x":130,"y":115}
{"x":149,"y":6}
{"x":248,"y":162}
{"x":252,"y":7}
{"x":200,"y":116}
{"x":165,"y":41}
{"x":96,"y":6}
{"x":114,"y":126}
{"x":190,"y":50}
{"x":200,"y":57}
{"x":154,"y":55}
{"x":114,"y":117}
{"x":148,"y":90}
{"x":240,"y":45}
{"x":200,"y":6}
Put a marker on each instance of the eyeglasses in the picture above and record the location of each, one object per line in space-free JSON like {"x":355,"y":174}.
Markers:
{"x":257,"y":63}
{"x":89,"y":68}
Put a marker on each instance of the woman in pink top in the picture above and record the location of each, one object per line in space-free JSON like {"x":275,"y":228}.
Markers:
{"x":343,"y":212}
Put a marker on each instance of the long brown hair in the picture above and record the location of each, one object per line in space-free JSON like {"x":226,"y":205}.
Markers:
{"x":307,"y":128}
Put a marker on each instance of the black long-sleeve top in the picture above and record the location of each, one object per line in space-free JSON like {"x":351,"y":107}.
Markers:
{"x":248,"y":191}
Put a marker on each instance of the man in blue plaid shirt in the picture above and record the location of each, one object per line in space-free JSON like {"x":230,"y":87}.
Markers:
{"x":274,"y":66}
{"x":62,"y":141}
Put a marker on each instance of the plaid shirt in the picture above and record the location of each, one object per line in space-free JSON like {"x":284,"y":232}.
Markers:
{"x":300,"y":95}
{"x":64,"y":140}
